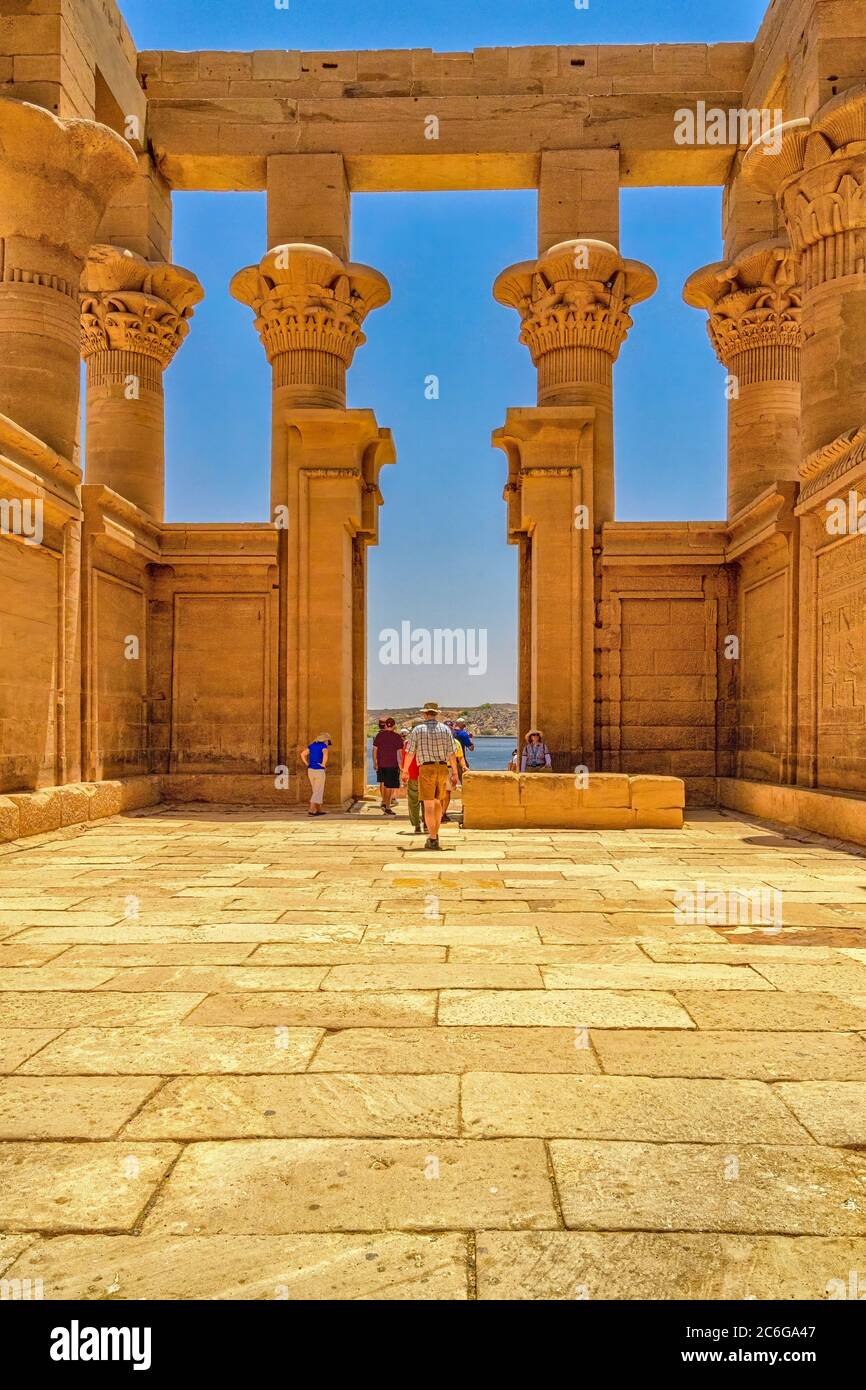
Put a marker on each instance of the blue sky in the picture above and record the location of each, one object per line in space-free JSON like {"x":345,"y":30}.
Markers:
{"x":441,"y":253}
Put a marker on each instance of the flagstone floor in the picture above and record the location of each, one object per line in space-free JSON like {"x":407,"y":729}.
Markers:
{"x":245,"y":1056}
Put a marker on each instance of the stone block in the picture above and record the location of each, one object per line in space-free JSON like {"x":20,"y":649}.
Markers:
{"x":657,"y":793}
{"x":39,"y":812}
{"x":106,"y":799}
{"x":74,"y":803}
{"x":136,"y":792}
{"x":9,"y":819}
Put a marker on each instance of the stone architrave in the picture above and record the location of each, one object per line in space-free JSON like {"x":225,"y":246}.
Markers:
{"x":754,"y":306}
{"x":134,"y":316}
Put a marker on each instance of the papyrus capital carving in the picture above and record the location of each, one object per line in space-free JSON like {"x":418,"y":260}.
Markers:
{"x":129,"y":304}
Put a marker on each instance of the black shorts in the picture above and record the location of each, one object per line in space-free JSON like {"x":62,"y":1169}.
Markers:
{"x":388,"y":776}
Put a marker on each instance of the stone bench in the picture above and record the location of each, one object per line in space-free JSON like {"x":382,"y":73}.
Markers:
{"x":550,"y":800}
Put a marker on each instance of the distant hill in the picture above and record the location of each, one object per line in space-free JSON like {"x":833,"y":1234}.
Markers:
{"x":491,"y":721}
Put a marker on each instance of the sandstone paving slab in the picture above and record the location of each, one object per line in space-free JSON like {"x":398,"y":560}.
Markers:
{"x":274,"y":1186}
{"x":19,"y":953}
{"x":774,"y":1012}
{"x":286,"y":1107}
{"x":494,"y":1105}
{"x":53,"y":977}
{"x":29,"y":1008}
{"x":70,"y":1107}
{"x":557,"y":1265}
{"x":121,"y":957}
{"x":69,"y":1187}
{"x":170,"y":1051}
{"x":17,"y":1044}
{"x":613,"y":953}
{"x":388,"y":1265}
{"x":69,"y":918}
{"x":613,"y":926}
{"x":760,"y":1056}
{"x":432,"y":933}
{"x":11,"y":1248}
{"x":336,"y":1009}
{"x":834,"y":1112}
{"x":448,"y":976}
{"x":138,"y":933}
{"x":369,"y":953}
{"x":590,"y":1008}
{"x":732,"y":953}
{"x":216,"y":979}
{"x":847,"y":977}
{"x":456,"y":1050}
{"x":652,"y":976}
{"x":771,"y":1189}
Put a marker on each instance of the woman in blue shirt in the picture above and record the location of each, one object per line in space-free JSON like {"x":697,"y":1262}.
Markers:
{"x":315,"y":760}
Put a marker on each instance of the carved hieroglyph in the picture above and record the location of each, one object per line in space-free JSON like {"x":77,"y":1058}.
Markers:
{"x":819,"y":179}
{"x":754,"y":304}
{"x":134,"y":316}
{"x":574,"y":307}
{"x":310,"y":306}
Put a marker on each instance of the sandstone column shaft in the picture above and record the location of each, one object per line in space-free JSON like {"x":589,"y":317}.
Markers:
{"x":134,"y":316}
{"x":755,"y":327}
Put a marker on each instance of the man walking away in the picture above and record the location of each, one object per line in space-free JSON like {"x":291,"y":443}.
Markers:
{"x":432,"y":743}
{"x":387,"y":756}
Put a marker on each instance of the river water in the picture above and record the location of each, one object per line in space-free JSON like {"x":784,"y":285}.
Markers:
{"x":491,"y":755}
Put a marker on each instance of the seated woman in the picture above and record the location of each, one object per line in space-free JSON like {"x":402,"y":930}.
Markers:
{"x":536,"y":754}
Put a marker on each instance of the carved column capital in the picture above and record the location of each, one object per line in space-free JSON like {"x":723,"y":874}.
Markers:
{"x":132,"y":305}
{"x":817,"y":170}
{"x":574,"y":304}
{"x":754,"y":304}
{"x":309,"y":307}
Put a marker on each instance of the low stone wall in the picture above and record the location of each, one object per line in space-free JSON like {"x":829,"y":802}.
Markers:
{"x":53,"y":808}
{"x":550,"y":800}
{"x":829,"y":813}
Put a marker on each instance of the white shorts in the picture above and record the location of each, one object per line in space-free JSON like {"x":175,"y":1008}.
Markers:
{"x":317,"y":782}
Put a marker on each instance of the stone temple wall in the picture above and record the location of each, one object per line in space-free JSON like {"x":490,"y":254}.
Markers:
{"x":186,"y":657}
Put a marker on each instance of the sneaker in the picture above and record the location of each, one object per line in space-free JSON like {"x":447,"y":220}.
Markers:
{"x":417,"y":830}
{"x":431,"y":844}
{"x":388,"y":811}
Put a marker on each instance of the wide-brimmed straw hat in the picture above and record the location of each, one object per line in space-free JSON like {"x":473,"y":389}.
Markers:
{"x":431,"y":707}
{"x":531,"y":732}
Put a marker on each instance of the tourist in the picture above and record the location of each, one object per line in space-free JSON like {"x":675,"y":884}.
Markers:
{"x":432,"y":744}
{"x":409,"y":769}
{"x":387,"y":757}
{"x":315,"y":760}
{"x":464,"y":738}
{"x":514,"y":765}
{"x":446,"y":802}
{"x":536,"y":754}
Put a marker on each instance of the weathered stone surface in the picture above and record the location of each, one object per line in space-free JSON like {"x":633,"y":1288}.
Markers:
{"x":763,"y":1056}
{"x":70,"y":1107}
{"x":588,"y":1008}
{"x":834,"y":1112}
{"x":788,"y":1190}
{"x":169,"y":1050}
{"x":297,"y":1106}
{"x":624,"y":1107}
{"x":455,"y":1049}
{"x":646,"y":1265}
{"x":17,"y":1044}
{"x":774,"y":1012}
{"x":336,"y":1009}
{"x":66,"y":1010}
{"x":52,"y":1187}
{"x":387,"y":1265}
{"x":273,"y":1186}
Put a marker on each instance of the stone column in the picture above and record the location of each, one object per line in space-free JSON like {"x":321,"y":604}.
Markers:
{"x":310,"y":306}
{"x":574,"y":305}
{"x":56,"y":179}
{"x":754,"y":304}
{"x":134,"y":317}
{"x":819,"y":178}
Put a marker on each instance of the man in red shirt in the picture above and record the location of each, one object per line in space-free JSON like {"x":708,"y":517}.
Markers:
{"x":387,"y":757}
